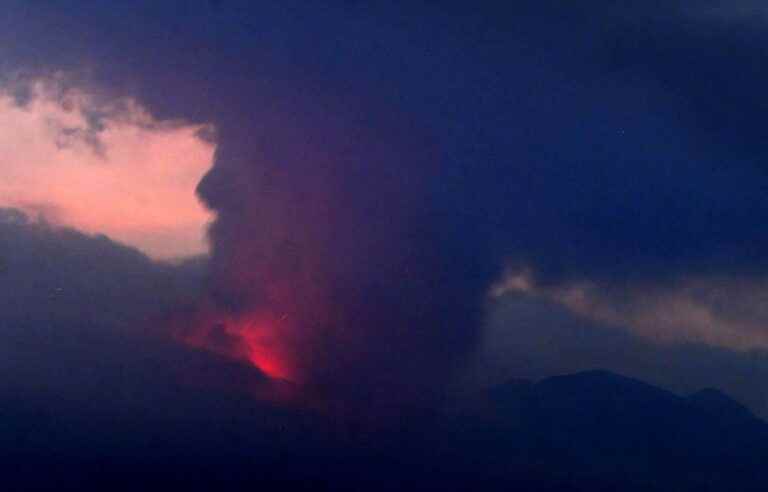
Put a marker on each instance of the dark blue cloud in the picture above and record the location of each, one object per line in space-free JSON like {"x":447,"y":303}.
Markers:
{"x":594,"y":142}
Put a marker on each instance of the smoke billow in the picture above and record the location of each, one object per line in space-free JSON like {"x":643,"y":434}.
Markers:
{"x":376,"y":166}
{"x":327,"y":270}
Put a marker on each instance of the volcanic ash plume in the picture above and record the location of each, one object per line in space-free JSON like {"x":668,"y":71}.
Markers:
{"x":326,"y":270}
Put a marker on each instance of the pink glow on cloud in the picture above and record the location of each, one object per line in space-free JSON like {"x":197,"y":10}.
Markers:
{"x":725,"y":311}
{"x":130,"y":177}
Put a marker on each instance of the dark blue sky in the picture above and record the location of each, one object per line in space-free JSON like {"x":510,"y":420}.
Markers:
{"x":408,"y":154}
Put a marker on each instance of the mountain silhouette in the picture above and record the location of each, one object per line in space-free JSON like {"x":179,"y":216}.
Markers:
{"x":597,"y":430}
{"x":718,"y":404}
{"x":590,"y":431}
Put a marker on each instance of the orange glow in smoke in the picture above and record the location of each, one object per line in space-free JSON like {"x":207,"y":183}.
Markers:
{"x":258,"y":338}
{"x":261,"y":338}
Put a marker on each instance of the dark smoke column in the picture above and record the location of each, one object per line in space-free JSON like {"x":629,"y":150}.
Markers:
{"x":328,"y":269}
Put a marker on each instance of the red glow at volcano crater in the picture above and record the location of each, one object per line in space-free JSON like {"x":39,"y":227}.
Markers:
{"x":260,"y":339}
{"x":264,"y":347}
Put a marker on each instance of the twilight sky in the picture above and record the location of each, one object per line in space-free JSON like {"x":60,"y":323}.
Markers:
{"x":399,"y":198}
{"x":104,"y":167}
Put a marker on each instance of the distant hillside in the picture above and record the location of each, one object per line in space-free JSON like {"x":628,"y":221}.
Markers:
{"x":591,"y":431}
{"x":601,"y":431}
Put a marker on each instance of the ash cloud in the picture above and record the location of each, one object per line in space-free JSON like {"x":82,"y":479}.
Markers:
{"x":685,"y":335}
{"x":80,"y":330}
{"x":377,"y":167}
{"x":323,"y":227}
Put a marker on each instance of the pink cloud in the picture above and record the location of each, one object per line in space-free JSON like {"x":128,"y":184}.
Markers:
{"x":105,"y":167}
{"x":725,"y":311}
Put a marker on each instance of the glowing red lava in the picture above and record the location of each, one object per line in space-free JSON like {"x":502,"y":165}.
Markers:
{"x":258,"y":338}
{"x":264,"y":347}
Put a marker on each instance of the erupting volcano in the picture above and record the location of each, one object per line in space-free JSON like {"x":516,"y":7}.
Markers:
{"x":257,"y":337}
{"x":263,"y":343}
{"x":325,"y":268}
